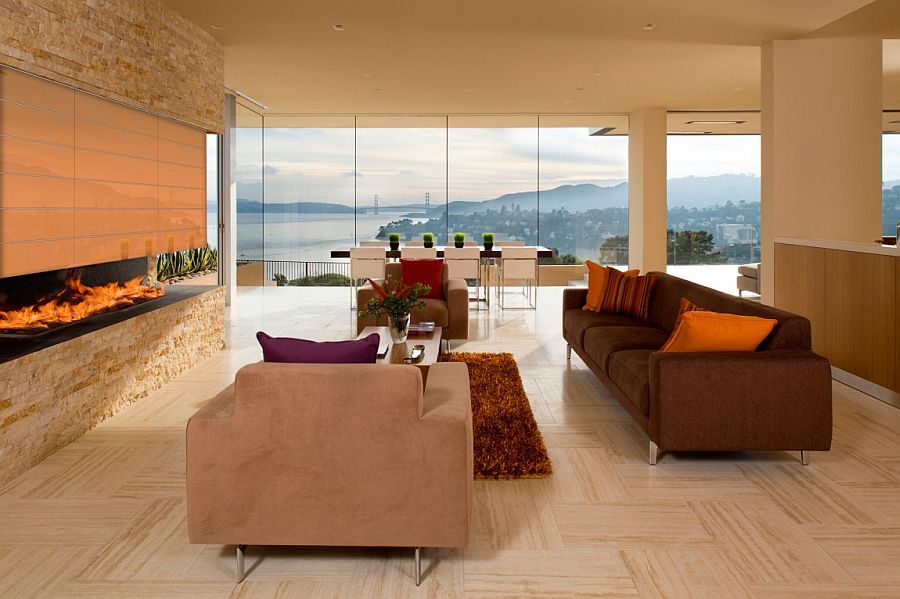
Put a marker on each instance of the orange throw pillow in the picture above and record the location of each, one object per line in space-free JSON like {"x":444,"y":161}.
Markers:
{"x":598,"y":277}
{"x":713,"y":331}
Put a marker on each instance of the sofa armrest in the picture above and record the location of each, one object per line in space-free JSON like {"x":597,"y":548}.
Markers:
{"x":456,"y":291}
{"x":363,"y":295}
{"x":769,"y":400}
{"x":573,"y":297}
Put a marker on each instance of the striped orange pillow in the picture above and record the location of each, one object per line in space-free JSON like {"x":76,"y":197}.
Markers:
{"x":685,"y":305}
{"x":627,"y":295}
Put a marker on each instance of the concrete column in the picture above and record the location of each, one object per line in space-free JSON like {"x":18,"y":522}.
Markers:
{"x":647,"y":189}
{"x":228,"y":203}
{"x":821,"y":143}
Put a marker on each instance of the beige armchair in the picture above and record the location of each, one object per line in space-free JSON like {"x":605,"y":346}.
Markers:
{"x":451,"y":313}
{"x":333,"y":454}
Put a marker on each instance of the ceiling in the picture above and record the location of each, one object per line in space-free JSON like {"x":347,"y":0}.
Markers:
{"x":509,"y":56}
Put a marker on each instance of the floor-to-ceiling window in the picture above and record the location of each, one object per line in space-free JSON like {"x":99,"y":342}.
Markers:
{"x":713,"y":219}
{"x":890,"y":175}
{"x":250,"y":189}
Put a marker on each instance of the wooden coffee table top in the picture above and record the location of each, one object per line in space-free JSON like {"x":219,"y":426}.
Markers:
{"x":396,"y":353}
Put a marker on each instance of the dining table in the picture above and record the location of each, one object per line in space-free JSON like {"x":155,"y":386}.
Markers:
{"x":543,"y":252}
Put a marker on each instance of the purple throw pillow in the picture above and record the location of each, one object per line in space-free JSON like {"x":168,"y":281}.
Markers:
{"x":303,"y":351}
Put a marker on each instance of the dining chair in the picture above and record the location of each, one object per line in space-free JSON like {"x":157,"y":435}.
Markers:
{"x":510,"y":243}
{"x":365,"y":263}
{"x":373,"y":244}
{"x":465,"y":263}
{"x":518,"y":264}
{"x":407,"y":253}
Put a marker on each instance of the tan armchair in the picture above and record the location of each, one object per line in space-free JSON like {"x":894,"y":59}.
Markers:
{"x":333,"y":454}
{"x":451,"y":313}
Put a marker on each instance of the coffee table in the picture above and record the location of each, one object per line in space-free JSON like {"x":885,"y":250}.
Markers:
{"x":396,"y":352}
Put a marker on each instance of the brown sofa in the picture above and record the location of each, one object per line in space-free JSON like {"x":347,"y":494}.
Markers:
{"x":333,"y":454}
{"x":776,"y":398}
{"x":451,"y":313}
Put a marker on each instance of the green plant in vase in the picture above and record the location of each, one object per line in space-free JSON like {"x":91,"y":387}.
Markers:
{"x":428,"y":240}
{"x":394,"y":240}
{"x":459,"y":239}
{"x":488,"y":240}
{"x":396,"y":300}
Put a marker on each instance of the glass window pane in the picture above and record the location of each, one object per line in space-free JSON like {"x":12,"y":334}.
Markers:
{"x":492,"y":163}
{"x":249,"y":179}
{"x":891,"y":176}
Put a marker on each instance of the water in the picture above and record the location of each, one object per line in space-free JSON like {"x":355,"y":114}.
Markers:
{"x":304,"y":237}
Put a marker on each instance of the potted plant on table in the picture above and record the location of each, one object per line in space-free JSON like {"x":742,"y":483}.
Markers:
{"x":488,"y":240}
{"x":396,"y":300}
{"x":428,"y":240}
{"x":459,"y":239}
{"x":394,"y":240}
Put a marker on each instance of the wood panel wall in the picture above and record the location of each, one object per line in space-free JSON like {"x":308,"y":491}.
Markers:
{"x":853,"y":302}
{"x":84,"y":180}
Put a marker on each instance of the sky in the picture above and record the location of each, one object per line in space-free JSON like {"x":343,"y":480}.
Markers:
{"x":401,"y":165}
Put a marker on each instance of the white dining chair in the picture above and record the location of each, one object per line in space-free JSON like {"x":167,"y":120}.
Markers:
{"x":465,"y":263}
{"x":417,"y":253}
{"x":518,"y":264}
{"x":373,"y":244}
{"x":415,"y":244}
{"x":365,"y":263}
{"x":510,"y":243}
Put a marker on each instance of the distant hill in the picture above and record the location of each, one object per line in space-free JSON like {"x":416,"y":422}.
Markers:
{"x":688,"y":192}
{"x":890,"y":184}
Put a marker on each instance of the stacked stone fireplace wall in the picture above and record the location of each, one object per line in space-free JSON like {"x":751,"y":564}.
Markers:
{"x":51,"y":397}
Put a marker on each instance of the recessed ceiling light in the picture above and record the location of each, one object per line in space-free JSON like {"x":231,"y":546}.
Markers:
{"x":649,"y":27}
{"x":468,"y":90}
{"x":579,"y":89}
{"x":737,"y":89}
{"x":567,"y":101}
{"x":597,"y":74}
{"x":714,"y":122}
{"x":377,"y":90}
{"x":337,"y":27}
{"x":367,"y":74}
{"x":217,"y":27}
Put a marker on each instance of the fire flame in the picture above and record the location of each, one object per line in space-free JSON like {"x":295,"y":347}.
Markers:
{"x":77,"y":301}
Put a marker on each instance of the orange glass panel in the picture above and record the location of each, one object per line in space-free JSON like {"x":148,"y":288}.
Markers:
{"x":114,"y":222}
{"x":176,"y":197}
{"x":26,"y":191}
{"x":94,"y":194}
{"x":36,"y":256}
{"x":34,"y":225}
{"x":91,"y":250}
{"x":110,"y":139}
{"x":101,"y":166}
{"x":34,"y":91}
{"x":182,"y":154}
{"x":172,"y":241}
{"x":33,"y":123}
{"x":98,"y":110}
{"x":184,"y":134}
{"x":35,"y":158}
{"x":181,"y":219}
{"x":176,"y":175}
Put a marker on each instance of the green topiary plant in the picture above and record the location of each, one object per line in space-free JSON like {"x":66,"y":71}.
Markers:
{"x":459,"y":237}
{"x":428,"y":237}
{"x":487,"y":237}
{"x":394,"y":237}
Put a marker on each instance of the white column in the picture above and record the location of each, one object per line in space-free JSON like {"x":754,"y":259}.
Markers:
{"x":647,"y":189}
{"x":228,"y":207}
{"x":821,"y":143}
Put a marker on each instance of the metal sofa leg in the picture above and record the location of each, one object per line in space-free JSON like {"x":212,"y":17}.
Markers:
{"x":568,"y":353}
{"x":240,"y":562}
{"x":804,"y":457}
{"x":418,"y":566}
{"x":654,"y":453}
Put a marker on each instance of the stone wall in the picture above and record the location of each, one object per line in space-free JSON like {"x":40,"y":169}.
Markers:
{"x":53,"y":396}
{"x":139,"y":52}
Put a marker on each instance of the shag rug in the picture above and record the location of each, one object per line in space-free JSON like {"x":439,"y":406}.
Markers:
{"x":506,"y":439}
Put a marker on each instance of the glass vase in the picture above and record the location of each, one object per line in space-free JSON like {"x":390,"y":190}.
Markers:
{"x":399,"y":327}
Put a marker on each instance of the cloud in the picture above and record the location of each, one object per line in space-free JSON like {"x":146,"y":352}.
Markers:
{"x":269,"y":170}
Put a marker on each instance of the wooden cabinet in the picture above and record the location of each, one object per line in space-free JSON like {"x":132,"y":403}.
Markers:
{"x":852,"y":299}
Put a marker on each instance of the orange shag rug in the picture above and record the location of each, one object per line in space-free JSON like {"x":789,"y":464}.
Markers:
{"x":506,"y":439}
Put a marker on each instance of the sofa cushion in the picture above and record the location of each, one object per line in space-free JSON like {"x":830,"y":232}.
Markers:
{"x":434,"y":310}
{"x":704,"y":331}
{"x":627,"y":295}
{"x":630,"y":370}
{"x":576,"y":322}
{"x":304,"y":351}
{"x":602,"y":342}
{"x":426,"y":271}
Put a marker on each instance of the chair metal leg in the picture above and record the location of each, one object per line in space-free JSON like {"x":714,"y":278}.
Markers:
{"x":418,"y":566}
{"x":240,"y":562}
{"x":804,"y":457}
{"x":568,"y":353}
{"x":654,"y":453}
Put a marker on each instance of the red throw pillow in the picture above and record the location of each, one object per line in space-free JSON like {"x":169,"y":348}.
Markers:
{"x":426,"y":271}
{"x":627,"y":295}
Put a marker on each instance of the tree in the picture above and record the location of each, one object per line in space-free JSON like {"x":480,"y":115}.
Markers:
{"x":691,"y":247}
